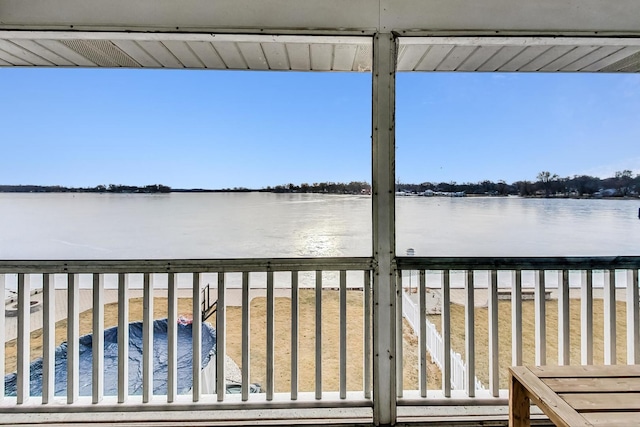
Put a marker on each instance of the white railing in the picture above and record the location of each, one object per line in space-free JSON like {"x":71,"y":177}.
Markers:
{"x":435,"y":344}
{"x":568,"y":286}
{"x":308,"y":283}
{"x":71,"y":287}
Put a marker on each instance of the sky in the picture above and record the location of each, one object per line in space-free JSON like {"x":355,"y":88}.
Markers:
{"x":225,"y":129}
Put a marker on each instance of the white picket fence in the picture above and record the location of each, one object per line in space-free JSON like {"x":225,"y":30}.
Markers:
{"x":435,"y":346}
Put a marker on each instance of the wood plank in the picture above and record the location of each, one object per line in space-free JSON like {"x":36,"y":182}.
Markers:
{"x":599,"y":384}
{"x":586,"y":371}
{"x":183,"y":53}
{"x":276,"y":55}
{"x":481,"y":55}
{"x":411,"y":56}
{"x":529,"y":54}
{"x":519,"y":404}
{"x":299,"y":56}
{"x":618,"y":419}
{"x":557,"y":409}
{"x":254,"y":56}
{"x":589,"y":402}
{"x":456,"y":57}
{"x":207,"y":55}
{"x":344,"y":57}
{"x":434,"y":57}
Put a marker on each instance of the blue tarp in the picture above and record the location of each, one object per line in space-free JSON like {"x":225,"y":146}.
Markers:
{"x":135,"y":361}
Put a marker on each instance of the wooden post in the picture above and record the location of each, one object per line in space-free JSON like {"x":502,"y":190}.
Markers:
{"x":383,"y":204}
{"x":519,"y":404}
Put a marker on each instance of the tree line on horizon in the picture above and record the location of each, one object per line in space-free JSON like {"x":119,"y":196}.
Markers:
{"x":547,"y":184}
{"x":111,"y":188}
{"x":623,"y":183}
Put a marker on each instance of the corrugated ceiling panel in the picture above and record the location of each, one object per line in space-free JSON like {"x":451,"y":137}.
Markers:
{"x":456,"y":57}
{"x":13,"y":60}
{"x":631,"y":68}
{"x":43,"y":52}
{"x":208,"y":55}
{"x":569,"y":57}
{"x":276,"y":56}
{"x":612,"y":59}
{"x":363,"y":58}
{"x":4,"y":63}
{"x":87,"y":50}
{"x":113,"y":52}
{"x":230,"y":54}
{"x":254,"y":56}
{"x":67,"y":53}
{"x":137,"y":53}
{"x":299,"y":56}
{"x":344,"y":57}
{"x":627,"y":64}
{"x":524,"y":57}
{"x":294,"y":53}
{"x":547,"y":57}
{"x":22,"y":53}
{"x":481,"y":55}
{"x":504,"y":55}
{"x":434,"y":56}
{"x":183,"y":53}
{"x":411,"y":57}
{"x":589,"y":59}
{"x":321,"y":57}
{"x":160,"y":54}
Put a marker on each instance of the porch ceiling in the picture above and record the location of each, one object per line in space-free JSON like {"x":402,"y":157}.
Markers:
{"x":322,"y":35}
{"x":315,"y":53}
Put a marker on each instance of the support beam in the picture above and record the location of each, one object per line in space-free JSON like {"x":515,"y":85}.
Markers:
{"x":344,"y":17}
{"x":384,"y":286}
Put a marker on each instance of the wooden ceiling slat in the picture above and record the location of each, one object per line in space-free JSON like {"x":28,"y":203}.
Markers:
{"x":481,"y":55}
{"x":207,"y":54}
{"x":612,"y":59}
{"x":183,"y":53}
{"x":344,"y":57}
{"x":501,"y":57}
{"x":43,"y":52}
{"x":161,"y":54}
{"x":591,"y":58}
{"x":566,"y":59}
{"x":456,"y":58}
{"x":254,"y":56}
{"x":321,"y":57}
{"x":24,"y":54}
{"x":299,"y":56}
{"x":434,"y":56}
{"x":276,"y":55}
{"x":546,"y":58}
{"x":66,"y":53}
{"x":523,"y":58}
{"x":230,"y":54}
{"x":411,"y":57}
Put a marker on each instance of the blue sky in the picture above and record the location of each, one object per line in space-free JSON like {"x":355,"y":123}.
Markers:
{"x":221,"y":129}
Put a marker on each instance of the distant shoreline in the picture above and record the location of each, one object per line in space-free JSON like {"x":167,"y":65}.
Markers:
{"x":324,"y":188}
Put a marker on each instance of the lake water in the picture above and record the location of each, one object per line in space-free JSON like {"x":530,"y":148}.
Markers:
{"x":233,"y":225}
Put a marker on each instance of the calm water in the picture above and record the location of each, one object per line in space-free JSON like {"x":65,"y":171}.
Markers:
{"x":220,"y":225}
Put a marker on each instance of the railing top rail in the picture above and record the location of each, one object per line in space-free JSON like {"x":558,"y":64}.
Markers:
{"x":236,"y":265}
{"x":518,"y":263}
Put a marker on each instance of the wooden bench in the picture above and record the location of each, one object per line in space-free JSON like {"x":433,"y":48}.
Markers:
{"x":576,"y":396}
